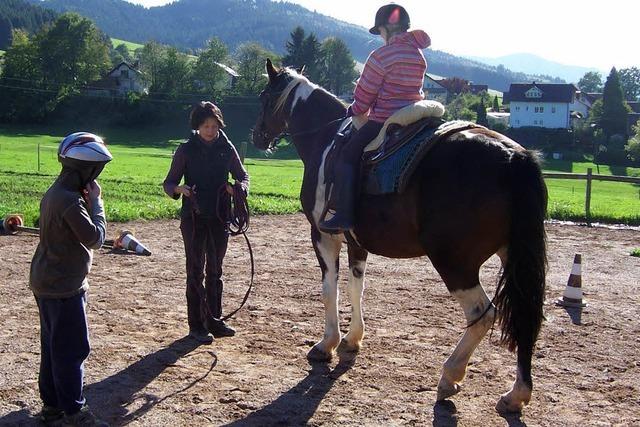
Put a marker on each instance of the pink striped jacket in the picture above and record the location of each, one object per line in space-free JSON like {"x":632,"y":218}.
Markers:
{"x":392,"y":77}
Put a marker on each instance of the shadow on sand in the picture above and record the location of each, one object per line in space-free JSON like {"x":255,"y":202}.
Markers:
{"x":297,"y":405}
{"x":110,"y":397}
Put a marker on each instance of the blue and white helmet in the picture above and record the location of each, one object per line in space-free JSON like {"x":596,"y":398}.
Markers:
{"x":83,"y":147}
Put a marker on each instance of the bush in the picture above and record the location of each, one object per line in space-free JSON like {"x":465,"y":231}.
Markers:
{"x":633,"y":148}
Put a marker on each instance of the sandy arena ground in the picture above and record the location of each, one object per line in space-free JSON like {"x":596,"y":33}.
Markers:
{"x":143,"y":371}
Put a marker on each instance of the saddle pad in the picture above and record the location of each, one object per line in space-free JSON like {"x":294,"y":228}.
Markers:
{"x":389,"y":173}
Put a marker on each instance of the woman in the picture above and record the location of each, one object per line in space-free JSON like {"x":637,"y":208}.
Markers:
{"x":205,"y":162}
{"x":392,"y":78}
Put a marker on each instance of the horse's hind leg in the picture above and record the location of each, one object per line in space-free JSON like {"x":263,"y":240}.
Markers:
{"x":357,"y":266}
{"x":327,"y":250}
{"x":480,"y":314}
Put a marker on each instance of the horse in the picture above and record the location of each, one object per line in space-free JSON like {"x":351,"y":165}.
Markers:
{"x":477,"y":193}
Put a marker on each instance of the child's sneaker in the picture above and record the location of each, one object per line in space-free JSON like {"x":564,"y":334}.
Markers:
{"x":82,"y":418}
{"x":49,"y":415}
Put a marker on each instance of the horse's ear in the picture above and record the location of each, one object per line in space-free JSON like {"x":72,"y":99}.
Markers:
{"x":271,"y":71}
{"x":301,"y":69}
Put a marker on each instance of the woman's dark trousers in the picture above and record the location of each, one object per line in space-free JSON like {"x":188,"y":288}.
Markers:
{"x":205,"y":244}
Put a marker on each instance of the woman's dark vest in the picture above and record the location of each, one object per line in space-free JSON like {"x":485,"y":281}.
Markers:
{"x":206,"y":167}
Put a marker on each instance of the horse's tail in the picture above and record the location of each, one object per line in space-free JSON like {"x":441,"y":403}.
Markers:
{"x":520,"y":291}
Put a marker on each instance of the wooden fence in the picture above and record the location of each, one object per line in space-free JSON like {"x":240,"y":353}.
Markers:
{"x":590,"y":176}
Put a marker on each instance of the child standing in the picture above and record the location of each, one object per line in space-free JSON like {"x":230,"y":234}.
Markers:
{"x":72,"y":223}
{"x":205,"y":161}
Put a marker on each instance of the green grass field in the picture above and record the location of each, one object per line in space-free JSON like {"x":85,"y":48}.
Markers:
{"x":132,"y":181}
{"x":130,"y":45}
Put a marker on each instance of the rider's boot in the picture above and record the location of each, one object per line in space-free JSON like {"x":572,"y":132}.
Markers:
{"x":345,"y":187}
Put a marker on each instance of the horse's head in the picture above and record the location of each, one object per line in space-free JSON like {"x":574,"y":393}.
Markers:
{"x":272,"y":118}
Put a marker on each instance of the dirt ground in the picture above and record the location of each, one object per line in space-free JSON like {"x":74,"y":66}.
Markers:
{"x":143,"y":371}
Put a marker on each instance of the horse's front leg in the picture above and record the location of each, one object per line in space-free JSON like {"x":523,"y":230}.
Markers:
{"x":357,"y":266}
{"x":327,"y":250}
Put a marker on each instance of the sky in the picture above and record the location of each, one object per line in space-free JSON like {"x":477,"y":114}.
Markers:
{"x":589,"y":33}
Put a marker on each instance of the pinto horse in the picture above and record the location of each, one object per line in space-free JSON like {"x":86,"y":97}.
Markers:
{"x":477,"y":193}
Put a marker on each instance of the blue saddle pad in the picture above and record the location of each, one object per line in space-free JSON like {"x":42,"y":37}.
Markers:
{"x":388,"y":172}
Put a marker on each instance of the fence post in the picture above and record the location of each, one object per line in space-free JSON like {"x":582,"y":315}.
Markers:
{"x":587,"y":200}
{"x":243,"y":151}
{"x":38,"y":157}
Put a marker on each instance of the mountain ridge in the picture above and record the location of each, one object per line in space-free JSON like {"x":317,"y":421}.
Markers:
{"x":188,"y":24}
{"x":534,"y":64}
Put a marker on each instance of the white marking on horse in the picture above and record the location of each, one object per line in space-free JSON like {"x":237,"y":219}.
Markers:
{"x":474,"y":302}
{"x":318,"y":206}
{"x":329,"y":250}
{"x":303,"y":90}
{"x":356,"y":289}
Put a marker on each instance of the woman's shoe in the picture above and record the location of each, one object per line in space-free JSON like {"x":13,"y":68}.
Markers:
{"x":201,"y":335}
{"x":220,"y":329}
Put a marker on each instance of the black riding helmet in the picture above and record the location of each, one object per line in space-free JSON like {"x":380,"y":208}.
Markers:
{"x":387,"y":15}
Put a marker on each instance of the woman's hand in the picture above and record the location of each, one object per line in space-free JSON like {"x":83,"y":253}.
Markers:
{"x":185,"y":190}
{"x":229,"y":189}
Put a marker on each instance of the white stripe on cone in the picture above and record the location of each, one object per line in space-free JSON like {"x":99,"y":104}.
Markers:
{"x":572,"y":295}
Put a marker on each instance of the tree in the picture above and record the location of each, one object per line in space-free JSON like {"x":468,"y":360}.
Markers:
{"x":74,"y":53}
{"x":614,"y":109}
{"x":120,"y":54}
{"x":23,"y":97}
{"x":294,"y":54}
{"x":630,"y":82}
{"x":173,"y":79}
{"x":456,"y":85}
{"x":633,"y":146}
{"x":151,"y":56}
{"x":591,"y":82}
{"x":311,"y":53}
{"x":337,"y":66}
{"x":462,"y":107}
{"x":250,"y":58}
{"x":207,"y":72}
{"x":496,"y":104}
{"x":481,"y":112}
{"x":5,"y":32}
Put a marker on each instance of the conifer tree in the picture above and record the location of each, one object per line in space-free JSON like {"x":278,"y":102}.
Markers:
{"x":614,"y":109}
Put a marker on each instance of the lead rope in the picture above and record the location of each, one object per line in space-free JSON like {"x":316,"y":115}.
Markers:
{"x":233,"y":212}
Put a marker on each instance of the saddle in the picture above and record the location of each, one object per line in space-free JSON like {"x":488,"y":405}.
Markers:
{"x":391,"y":158}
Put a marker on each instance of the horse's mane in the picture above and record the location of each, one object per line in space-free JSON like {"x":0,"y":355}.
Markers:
{"x":303,"y":84}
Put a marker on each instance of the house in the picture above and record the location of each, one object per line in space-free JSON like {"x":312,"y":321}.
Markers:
{"x":231,"y":77}
{"x":444,"y":88}
{"x":434,"y":88}
{"x":122,"y":79}
{"x":546,"y":105}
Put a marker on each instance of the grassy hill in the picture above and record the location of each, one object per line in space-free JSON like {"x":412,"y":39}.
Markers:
{"x":130,"y":45}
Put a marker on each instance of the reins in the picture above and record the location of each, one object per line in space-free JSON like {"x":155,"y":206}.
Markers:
{"x":293,"y":135}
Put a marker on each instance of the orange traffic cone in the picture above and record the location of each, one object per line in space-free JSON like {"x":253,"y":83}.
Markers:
{"x":572,"y":295}
{"x":126,"y":241}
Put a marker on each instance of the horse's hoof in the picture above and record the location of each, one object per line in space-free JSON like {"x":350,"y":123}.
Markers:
{"x":346,"y":346}
{"x":447,"y":391}
{"x":504,"y":406}
{"x":317,"y":355}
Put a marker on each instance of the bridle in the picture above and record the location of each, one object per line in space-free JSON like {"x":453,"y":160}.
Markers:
{"x":276,"y":109}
